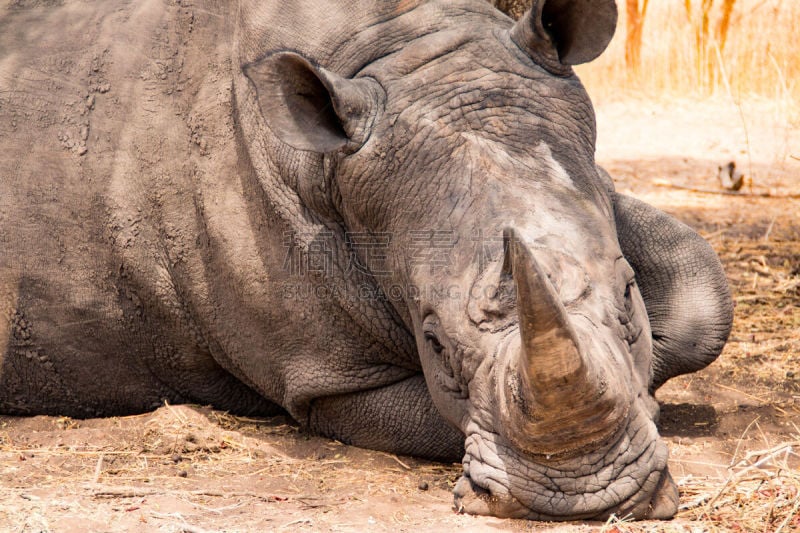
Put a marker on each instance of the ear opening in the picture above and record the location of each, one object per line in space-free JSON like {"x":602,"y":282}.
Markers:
{"x":310,"y":108}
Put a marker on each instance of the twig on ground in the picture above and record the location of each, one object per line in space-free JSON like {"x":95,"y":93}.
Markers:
{"x":769,"y":229}
{"x":697,"y":502}
{"x":215,"y":510}
{"x":401,"y":463}
{"x":98,"y":469}
{"x":664,"y":183}
{"x":741,"y":439}
{"x":68,"y":451}
{"x":185,"y":527}
{"x":786,"y":448}
{"x":178,"y":416}
{"x":126,"y":491}
{"x":715,"y":234}
{"x":752,"y":397}
{"x":299,"y":521}
{"x":738,"y":476}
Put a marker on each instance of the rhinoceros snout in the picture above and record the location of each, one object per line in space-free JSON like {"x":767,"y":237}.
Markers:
{"x":473,"y":499}
{"x":660,"y":504}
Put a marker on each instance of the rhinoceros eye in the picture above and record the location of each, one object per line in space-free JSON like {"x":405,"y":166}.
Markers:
{"x":431,"y":338}
{"x":626,"y":277}
{"x":628,"y":297}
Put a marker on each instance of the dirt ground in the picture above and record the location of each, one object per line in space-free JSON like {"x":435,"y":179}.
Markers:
{"x":733,"y":429}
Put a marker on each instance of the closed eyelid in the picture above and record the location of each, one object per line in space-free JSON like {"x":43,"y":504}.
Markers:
{"x":626,"y":271}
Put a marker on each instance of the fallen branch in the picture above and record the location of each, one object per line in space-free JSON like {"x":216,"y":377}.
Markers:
{"x":743,"y":393}
{"x":401,"y":463}
{"x":184,"y":527}
{"x":664,"y":183}
{"x":98,"y":469}
{"x":125,"y":491}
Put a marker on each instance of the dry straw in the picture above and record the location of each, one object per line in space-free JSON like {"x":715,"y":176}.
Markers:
{"x":705,"y":47}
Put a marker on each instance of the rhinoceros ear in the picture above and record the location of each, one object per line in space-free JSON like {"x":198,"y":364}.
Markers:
{"x":311,"y":108}
{"x":560,"y":33}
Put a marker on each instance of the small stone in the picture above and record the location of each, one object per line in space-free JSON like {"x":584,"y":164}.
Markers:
{"x":182,"y":473}
{"x":176,"y":458}
{"x":423,"y":485}
{"x":790,"y":374}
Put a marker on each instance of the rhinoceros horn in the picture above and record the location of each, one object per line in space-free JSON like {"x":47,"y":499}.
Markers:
{"x":556,"y":399}
{"x":559,"y":33}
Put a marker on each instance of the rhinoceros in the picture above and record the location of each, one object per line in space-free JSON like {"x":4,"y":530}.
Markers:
{"x":381,"y":217}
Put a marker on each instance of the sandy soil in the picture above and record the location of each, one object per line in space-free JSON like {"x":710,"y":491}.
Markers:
{"x":189,"y":468}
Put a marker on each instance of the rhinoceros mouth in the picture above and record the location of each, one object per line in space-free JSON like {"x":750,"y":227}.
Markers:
{"x":628,"y":478}
{"x":473,"y":499}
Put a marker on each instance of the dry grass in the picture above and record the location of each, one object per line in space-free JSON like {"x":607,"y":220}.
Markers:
{"x":761,"y":56}
{"x":761,"y":493}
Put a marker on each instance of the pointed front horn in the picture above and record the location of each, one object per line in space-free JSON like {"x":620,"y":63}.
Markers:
{"x":550,"y":360}
{"x":555,"y":399}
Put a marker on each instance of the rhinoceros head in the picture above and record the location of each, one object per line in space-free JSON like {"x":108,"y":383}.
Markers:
{"x":472,"y":146}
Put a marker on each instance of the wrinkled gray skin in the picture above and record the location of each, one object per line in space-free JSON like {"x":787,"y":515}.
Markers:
{"x":164,"y":168}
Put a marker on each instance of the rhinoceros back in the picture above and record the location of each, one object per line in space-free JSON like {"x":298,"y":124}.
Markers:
{"x":100,"y":115}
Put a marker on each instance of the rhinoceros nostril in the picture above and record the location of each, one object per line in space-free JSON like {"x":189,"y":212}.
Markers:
{"x":470,"y":498}
{"x":660,"y":504}
{"x":665,"y":499}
